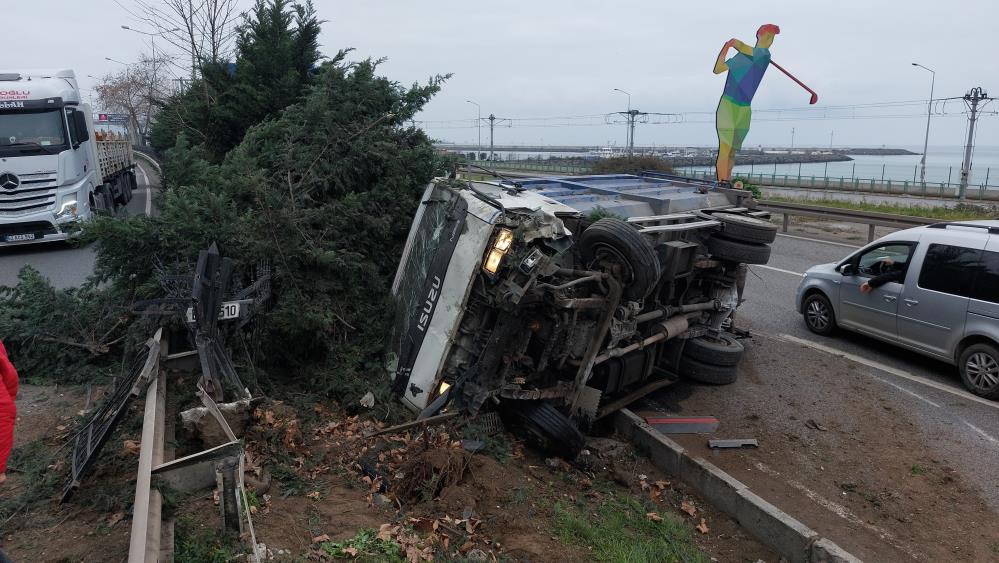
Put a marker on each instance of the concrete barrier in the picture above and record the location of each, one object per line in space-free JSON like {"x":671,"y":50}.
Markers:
{"x":770,"y":525}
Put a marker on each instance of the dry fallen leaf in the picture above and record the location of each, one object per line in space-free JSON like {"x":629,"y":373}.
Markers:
{"x":654,"y":516}
{"x":314,"y":495}
{"x":131,"y":446}
{"x":702,"y":527}
{"x":115,"y":518}
{"x":688,"y":507}
{"x":351,"y":551}
{"x":320,"y":539}
{"x":662,"y":484}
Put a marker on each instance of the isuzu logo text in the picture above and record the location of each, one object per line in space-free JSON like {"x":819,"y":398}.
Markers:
{"x":428,"y":306}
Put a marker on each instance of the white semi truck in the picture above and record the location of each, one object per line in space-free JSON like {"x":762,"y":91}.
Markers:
{"x":55,"y":169}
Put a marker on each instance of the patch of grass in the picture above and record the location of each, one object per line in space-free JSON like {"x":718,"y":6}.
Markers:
{"x":496,"y":445}
{"x":630,"y":165}
{"x":917,"y":469}
{"x":36,"y":482}
{"x":598,"y":213}
{"x":364,"y":546}
{"x":962,"y":211}
{"x":620,"y":531}
{"x":200,"y":544}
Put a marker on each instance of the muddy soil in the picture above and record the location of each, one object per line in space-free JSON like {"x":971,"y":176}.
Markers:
{"x":840,"y":458}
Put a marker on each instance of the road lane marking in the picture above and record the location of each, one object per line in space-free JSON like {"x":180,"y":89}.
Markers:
{"x":149,"y":193}
{"x":836,"y":508}
{"x":853,"y":246}
{"x":980,"y":432}
{"x":888,"y":369}
{"x":781,"y":270}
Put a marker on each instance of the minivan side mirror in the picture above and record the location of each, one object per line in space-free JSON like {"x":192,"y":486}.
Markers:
{"x":846,"y":269}
{"x":82,"y":134}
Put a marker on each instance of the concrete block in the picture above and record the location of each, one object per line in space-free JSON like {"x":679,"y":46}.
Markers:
{"x":663,"y":452}
{"x":716,"y":486}
{"x":774,"y":527}
{"x":825,"y":551}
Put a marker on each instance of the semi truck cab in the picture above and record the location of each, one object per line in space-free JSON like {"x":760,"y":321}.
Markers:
{"x":51,"y":170}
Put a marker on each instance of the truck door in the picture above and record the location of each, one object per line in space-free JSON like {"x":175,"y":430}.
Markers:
{"x":934,"y":304}
{"x":874,"y":313}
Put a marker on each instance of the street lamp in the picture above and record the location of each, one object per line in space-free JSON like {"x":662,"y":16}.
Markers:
{"x":116,"y":61}
{"x":478,"y":123}
{"x":929,"y":112}
{"x":627,"y":131}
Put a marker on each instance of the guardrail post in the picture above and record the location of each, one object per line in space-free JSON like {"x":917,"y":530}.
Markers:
{"x":870,"y":233}
{"x":787,"y":221}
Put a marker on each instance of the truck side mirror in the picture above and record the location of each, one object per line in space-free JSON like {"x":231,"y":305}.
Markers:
{"x":82,"y":134}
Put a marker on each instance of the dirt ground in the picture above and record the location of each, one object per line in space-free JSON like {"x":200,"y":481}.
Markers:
{"x":92,"y":526}
{"x":855,"y":471}
{"x":312,"y":478}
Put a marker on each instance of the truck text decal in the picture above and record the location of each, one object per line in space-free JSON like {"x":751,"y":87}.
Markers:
{"x":428,"y":306}
{"x":14,"y":94}
{"x":11,"y":105}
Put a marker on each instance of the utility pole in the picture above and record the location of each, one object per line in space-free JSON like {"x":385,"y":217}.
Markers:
{"x":492,"y":123}
{"x":929,"y":112}
{"x":971,"y":99}
{"x":629,"y":130}
{"x":792,"y":140}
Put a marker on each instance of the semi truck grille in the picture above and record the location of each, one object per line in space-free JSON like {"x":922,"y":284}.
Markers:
{"x":35,"y":193}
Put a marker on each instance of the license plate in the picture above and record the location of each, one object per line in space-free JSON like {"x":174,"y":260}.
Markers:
{"x":228,"y":310}
{"x":19,"y":238}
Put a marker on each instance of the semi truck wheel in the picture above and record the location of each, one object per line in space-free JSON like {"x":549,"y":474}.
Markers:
{"x":545,"y":426}
{"x":746,"y":228}
{"x":721,"y":350}
{"x":618,"y":242}
{"x":703,"y":372}
{"x":738,"y":251}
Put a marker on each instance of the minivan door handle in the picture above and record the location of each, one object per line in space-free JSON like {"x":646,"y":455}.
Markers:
{"x":911,"y":302}
{"x":890,"y":298}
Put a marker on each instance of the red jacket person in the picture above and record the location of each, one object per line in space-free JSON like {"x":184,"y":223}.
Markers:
{"x":8,"y":411}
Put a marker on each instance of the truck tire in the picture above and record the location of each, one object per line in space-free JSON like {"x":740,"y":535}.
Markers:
{"x":703,"y":372}
{"x":746,"y":228}
{"x":545,"y":426}
{"x":626,"y":246}
{"x":721,"y":350}
{"x":738,"y":251}
{"x":979,"y":366}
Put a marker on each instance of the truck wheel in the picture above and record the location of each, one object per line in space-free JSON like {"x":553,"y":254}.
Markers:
{"x":545,"y":426}
{"x":620,"y":243}
{"x":979,"y":365}
{"x":703,"y":372}
{"x":746,"y":228}
{"x":738,"y":251}
{"x":721,"y":350}
{"x":819,"y":315}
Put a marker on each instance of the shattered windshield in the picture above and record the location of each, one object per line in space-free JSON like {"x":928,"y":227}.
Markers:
{"x":423,"y":273}
{"x":32,"y":128}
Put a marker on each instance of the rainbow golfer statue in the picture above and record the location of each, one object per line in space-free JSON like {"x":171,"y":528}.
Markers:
{"x":745,"y":71}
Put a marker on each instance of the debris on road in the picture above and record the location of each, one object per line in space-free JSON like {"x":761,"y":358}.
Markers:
{"x":815,"y":425}
{"x":683,"y":424}
{"x":735,"y":443}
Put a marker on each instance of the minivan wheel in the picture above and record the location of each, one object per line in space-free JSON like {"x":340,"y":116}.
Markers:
{"x":979,"y":365}
{"x":819,"y":315}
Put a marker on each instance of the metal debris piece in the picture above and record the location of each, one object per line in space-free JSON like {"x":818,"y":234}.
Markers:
{"x":737,"y":443}
{"x":671,"y":424}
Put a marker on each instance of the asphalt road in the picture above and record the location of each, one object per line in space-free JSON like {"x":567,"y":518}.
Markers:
{"x":882,"y":411}
{"x":67,"y":264}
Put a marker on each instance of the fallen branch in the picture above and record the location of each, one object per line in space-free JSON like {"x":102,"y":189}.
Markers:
{"x":413,"y":423}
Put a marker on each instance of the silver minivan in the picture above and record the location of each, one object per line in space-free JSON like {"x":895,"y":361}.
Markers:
{"x":933,"y":290}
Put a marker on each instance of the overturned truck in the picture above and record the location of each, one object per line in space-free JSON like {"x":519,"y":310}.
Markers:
{"x":559,"y":300}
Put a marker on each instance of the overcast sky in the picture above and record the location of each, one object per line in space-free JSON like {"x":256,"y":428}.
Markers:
{"x":552,"y":58}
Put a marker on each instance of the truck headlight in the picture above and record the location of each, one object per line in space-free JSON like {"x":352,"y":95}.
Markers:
{"x":501,"y":244}
{"x":67,"y":209}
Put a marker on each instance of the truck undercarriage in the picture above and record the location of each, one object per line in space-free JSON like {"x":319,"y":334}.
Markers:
{"x":569,"y":316}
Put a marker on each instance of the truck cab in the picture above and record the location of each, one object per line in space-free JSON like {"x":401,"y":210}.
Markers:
{"x":51,"y":174}
{"x":558,"y":300}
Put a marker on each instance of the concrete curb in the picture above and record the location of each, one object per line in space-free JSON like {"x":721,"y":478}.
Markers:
{"x":770,"y":525}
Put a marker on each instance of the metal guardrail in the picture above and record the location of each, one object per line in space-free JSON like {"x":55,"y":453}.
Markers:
{"x":870,"y":218}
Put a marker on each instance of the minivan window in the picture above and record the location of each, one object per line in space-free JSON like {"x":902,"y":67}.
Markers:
{"x":874,"y":261}
{"x":950,"y":269}
{"x":986,"y":286}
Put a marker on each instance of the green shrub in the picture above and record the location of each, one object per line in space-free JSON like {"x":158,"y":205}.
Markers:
{"x":630,"y":165}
